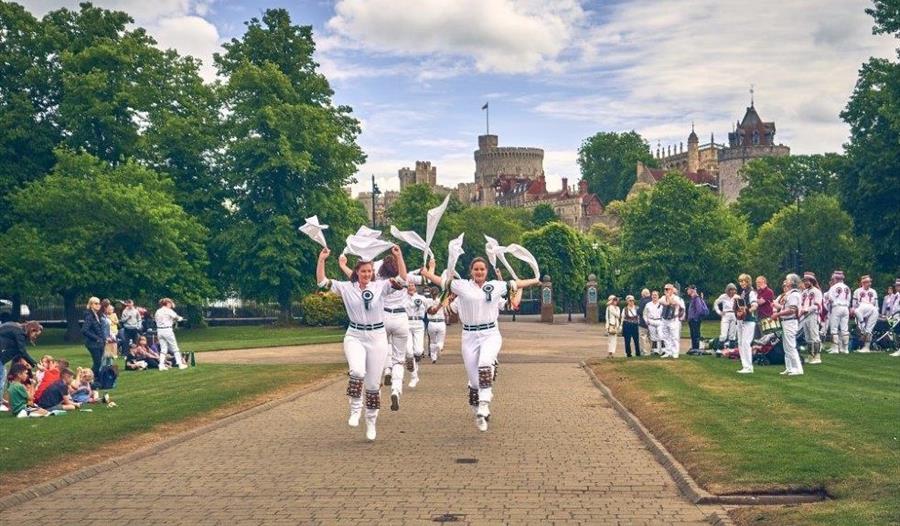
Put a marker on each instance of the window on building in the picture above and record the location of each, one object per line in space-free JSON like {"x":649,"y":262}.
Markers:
{"x":755,"y":137}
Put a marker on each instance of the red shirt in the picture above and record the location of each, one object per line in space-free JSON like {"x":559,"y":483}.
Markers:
{"x":50,"y":376}
{"x":764,"y":309}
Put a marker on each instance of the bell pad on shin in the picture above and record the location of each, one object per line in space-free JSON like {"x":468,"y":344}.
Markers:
{"x":355,"y":387}
{"x":410,"y":364}
{"x":473,"y":397}
{"x":373,"y":399}
{"x":485,"y":376}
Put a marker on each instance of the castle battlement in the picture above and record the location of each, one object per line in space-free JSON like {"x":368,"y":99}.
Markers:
{"x":752,"y":152}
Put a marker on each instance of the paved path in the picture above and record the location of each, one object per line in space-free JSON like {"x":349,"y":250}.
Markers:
{"x":556,"y":452}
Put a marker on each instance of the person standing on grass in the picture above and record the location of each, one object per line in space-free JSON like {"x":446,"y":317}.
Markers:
{"x":14,"y":338}
{"x":653,"y":319}
{"x":93,"y":332}
{"x":131,"y":321}
{"x":630,"y":322}
{"x":696,"y":311}
{"x":166,"y":317}
{"x":764,"y":297}
{"x":644,"y":330}
{"x":788,"y":314}
{"x":672,"y":314}
{"x":745,"y":309}
{"x":810,"y":307}
{"x":865,"y":309}
{"x":365,"y":342}
{"x":613,"y":324}
{"x":724,"y":307}
{"x":839,"y":297}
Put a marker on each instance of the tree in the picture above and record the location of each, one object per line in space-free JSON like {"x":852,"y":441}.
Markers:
{"x":506,"y":225}
{"x":868,"y":188}
{"x":678,"y":232}
{"x":289,"y":150}
{"x":409,"y":211}
{"x":543,"y":214}
{"x":560,"y":252}
{"x":776,"y":182}
{"x":824,"y":234}
{"x":91,"y":229}
{"x":608,"y":162}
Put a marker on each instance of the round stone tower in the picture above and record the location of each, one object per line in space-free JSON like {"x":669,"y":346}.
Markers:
{"x":492,"y":160}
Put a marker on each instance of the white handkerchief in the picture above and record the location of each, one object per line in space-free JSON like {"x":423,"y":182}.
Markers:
{"x":410,"y":237}
{"x":434,"y":217}
{"x":523,"y":254}
{"x":495,"y":251}
{"x":365,"y":231}
{"x":454,"y":250}
{"x":367,"y":248}
{"x":313,"y":229}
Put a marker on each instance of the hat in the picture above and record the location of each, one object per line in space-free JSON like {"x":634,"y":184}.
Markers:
{"x":692,"y":287}
{"x":837,"y":274}
{"x":129,"y":302}
{"x":809,"y":274}
{"x":611,"y":297}
{"x":897,"y":282}
{"x":865,"y":278}
{"x":629,"y":298}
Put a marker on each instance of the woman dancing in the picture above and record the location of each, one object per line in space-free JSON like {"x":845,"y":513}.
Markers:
{"x":365,"y":343}
{"x":478,"y":299}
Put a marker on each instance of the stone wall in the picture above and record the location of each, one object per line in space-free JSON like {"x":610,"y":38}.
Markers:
{"x":731,"y":160}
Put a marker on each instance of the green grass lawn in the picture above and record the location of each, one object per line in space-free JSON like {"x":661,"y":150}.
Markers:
{"x":708,"y":329}
{"x":837,"y":427}
{"x":207,"y":339}
{"x":146,"y":399}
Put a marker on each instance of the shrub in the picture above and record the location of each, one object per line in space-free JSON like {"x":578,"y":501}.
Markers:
{"x":323,"y":308}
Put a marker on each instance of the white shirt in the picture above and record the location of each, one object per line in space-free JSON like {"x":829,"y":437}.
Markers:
{"x":131,"y":318}
{"x":868,"y":295}
{"x":810,"y":300}
{"x":364,"y":307}
{"x":416,"y":305}
{"x":439,"y":315}
{"x":678,"y":304}
{"x":613,"y":317}
{"x":166,"y":318}
{"x":839,"y":295}
{"x":478,"y":305}
{"x":724,"y":304}
{"x":792,"y":299}
{"x":652,"y":313}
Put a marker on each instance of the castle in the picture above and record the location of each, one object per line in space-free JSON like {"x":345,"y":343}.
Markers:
{"x":717,"y":166}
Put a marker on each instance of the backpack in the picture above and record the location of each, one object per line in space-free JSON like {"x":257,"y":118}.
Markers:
{"x":108,"y":376}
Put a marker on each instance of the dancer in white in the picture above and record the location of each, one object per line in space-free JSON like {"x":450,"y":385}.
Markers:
{"x":365,"y":343}
{"x":724,"y":307}
{"x":673,"y":312}
{"x":437,"y":324}
{"x":865,"y":309}
{"x":415,"y":310}
{"x":745,"y":313}
{"x":810,"y":307}
{"x":481,"y":338}
{"x":788,"y":313}
{"x":165,"y":318}
{"x":838,"y":297}
{"x":653,"y":318}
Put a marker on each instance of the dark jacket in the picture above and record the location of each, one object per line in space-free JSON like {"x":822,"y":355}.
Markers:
{"x":92,"y":330}
{"x":641,"y":304}
{"x":697,"y":309}
{"x":13,"y":343}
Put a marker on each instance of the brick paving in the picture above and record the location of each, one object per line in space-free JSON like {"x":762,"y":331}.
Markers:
{"x":556,"y":453}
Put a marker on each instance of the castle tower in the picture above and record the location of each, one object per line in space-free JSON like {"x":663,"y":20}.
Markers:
{"x":492,"y":160}
{"x":693,"y":156}
{"x":752,"y":138}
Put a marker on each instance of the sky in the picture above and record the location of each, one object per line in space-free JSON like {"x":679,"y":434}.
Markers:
{"x":554,"y":72}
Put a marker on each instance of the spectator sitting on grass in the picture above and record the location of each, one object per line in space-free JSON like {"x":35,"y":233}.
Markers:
{"x":51,"y":375}
{"x":141,"y":353}
{"x":21,"y":396}
{"x":80,"y":389}
{"x":56,"y":397}
{"x":41,"y":368}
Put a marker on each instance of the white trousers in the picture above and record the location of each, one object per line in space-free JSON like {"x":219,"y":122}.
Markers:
{"x":365,"y":353}
{"x":838,"y":320}
{"x":810,"y":327}
{"x":728,"y":328}
{"x":414,"y":344}
{"x":611,"y":343}
{"x":791,"y":357}
{"x":866,"y":317}
{"x":671,"y":335}
{"x":644,"y":337}
{"x":167,"y":344}
{"x":437,"y":332}
{"x":396,"y":327}
{"x":745,"y":342}
{"x":654,"y":331}
{"x":480,"y":350}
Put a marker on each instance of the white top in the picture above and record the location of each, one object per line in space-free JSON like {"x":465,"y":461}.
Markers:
{"x":131,"y":318}
{"x":364,"y":307}
{"x":810,"y":300}
{"x":839,"y":295}
{"x":891,"y":304}
{"x":416,"y":305}
{"x":613,"y":317}
{"x":677,"y":304}
{"x":439,"y":315}
{"x":478,"y":305}
{"x":166,"y":318}
{"x":724,"y":304}
{"x":652,"y":313}
{"x":868,"y":295}
{"x":792,"y":299}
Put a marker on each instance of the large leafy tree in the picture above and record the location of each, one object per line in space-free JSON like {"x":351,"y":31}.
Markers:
{"x":776,"y":182}
{"x":822,"y":232}
{"x":868,"y":189}
{"x":543,"y":214}
{"x":89,"y":229}
{"x":289,"y":151}
{"x":679,"y":232}
{"x":561,"y":253}
{"x":506,"y":225}
{"x":608,"y":162}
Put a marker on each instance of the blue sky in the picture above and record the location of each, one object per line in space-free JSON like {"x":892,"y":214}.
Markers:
{"x":417,"y":72}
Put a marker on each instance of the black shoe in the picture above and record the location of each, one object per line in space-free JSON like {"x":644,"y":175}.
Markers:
{"x":387,"y":380}
{"x":395,"y":402}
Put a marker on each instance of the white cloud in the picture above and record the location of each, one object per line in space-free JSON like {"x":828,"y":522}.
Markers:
{"x":177,"y":24}
{"x":507,"y":36}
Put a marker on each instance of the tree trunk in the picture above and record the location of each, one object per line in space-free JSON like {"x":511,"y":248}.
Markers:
{"x":16,"y":313}
{"x":73,"y":328}
{"x":284,"y":303}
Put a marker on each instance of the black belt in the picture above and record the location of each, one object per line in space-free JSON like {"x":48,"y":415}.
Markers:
{"x":788,"y":319}
{"x":482,"y":327}
{"x":414,"y":318}
{"x":395,"y":311}
{"x":363,"y":327}
{"x":436,"y":320}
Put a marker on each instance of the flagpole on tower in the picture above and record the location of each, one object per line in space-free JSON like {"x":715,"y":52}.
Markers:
{"x":487,"y":118}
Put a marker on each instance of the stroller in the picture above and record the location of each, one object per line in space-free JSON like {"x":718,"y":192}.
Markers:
{"x":769,"y":349}
{"x":886,"y":334}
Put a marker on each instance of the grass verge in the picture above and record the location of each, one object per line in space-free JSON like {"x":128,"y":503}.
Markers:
{"x":835,"y":428}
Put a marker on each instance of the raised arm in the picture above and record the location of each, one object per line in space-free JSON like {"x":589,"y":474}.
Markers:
{"x":525,"y":283}
{"x":401,"y":265}
{"x":515,"y":299}
{"x":321,"y":279}
{"x":342,"y":263}
{"x":430,"y":275}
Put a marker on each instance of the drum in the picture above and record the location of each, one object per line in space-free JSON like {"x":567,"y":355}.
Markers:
{"x":770,"y":326}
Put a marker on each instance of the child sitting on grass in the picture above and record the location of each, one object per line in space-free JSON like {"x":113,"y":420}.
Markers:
{"x":143,"y":353}
{"x":56,"y":396}
{"x":41,"y":368}
{"x":80,"y":389}
{"x":21,"y":397}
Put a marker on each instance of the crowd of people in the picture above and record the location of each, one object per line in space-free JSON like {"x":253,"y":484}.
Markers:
{"x":32,"y":388}
{"x":754,"y":320}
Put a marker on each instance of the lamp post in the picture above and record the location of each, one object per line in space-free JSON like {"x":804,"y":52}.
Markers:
{"x":375,"y":192}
